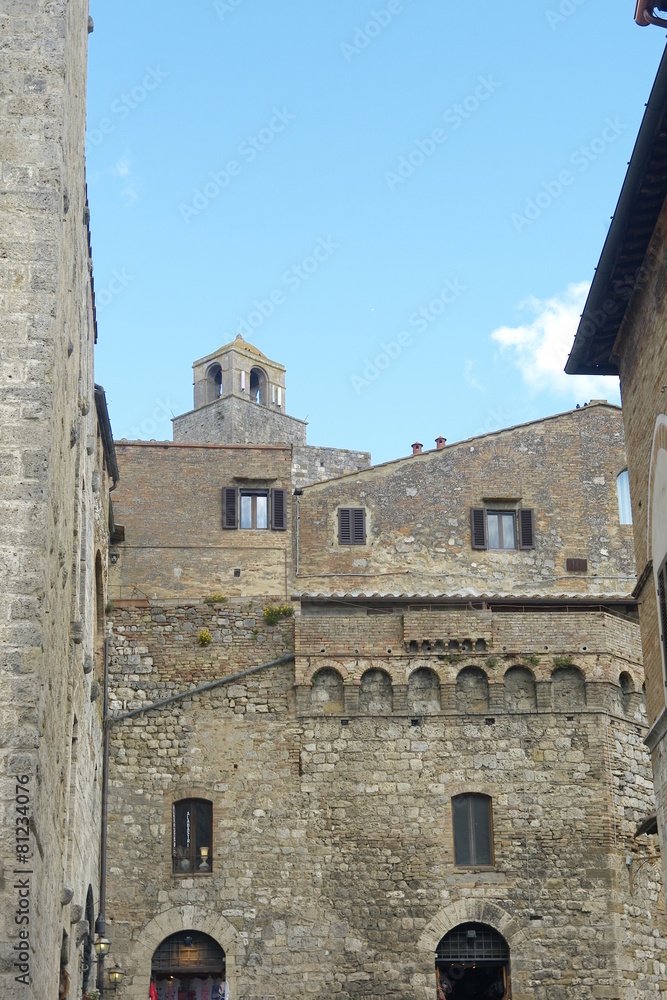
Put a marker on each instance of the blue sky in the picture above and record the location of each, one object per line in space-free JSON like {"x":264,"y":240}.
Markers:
{"x":403,"y":202}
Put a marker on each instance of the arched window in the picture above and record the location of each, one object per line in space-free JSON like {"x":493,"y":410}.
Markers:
{"x":473,"y":830}
{"x":623,"y":493}
{"x":258,"y":386}
{"x":192,"y":836}
{"x":213,"y":383}
{"x":87,"y":958}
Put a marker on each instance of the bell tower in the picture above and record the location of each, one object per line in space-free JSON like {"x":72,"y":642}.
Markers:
{"x":241,"y":370}
{"x":239,"y":398}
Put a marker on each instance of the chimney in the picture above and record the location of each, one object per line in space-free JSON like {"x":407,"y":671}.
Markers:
{"x":440,"y":442}
{"x":417,"y":448}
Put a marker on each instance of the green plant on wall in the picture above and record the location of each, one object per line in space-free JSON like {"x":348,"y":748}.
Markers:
{"x":563,"y":661}
{"x":215,"y":599}
{"x":204,"y":637}
{"x":274,"y":612}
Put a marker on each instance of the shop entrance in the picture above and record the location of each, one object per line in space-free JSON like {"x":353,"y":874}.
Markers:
{"x":189,"y":966}
{"x":472,"y":962}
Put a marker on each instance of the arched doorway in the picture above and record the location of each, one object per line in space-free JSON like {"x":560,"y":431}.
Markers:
{"x":189,"y":961}
{"x":472,"y":962}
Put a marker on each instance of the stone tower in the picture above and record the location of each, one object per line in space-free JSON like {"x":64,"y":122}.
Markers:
{"x":239,"y":398}
{"x":57,"y":456}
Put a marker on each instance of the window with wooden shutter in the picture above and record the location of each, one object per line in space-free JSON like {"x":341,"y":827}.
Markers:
{"x":478,"y":527}
{"x":526,"y":529}
{"x":229,"y":506}
{"x":351,"y":526}
{"x":279,"y":510}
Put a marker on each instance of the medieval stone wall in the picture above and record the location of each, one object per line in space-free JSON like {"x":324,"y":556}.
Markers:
{"x":333,"y":870}
{"x":51,"y":733}
{"x":234,"y":420}
{"x":311,"y":464}
{"x":642,"y":350}
{"x":418,"y":529}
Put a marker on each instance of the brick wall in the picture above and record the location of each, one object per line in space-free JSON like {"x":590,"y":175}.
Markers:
{"x":169,"y":501}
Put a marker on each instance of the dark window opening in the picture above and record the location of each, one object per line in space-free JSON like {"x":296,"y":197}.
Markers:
{"x":213,"y":383}
{"x":258,"y":386}
{"x":473,"y":831}
{"x":662,"y":608}
{"x":192,"y":836}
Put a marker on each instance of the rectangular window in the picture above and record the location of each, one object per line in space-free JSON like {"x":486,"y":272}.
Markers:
{"x":192,"y":836}
{"x":502,"y":529}
{"x":473,"y":837}
{"x":254,"y":509}
{"x":351,"y":526}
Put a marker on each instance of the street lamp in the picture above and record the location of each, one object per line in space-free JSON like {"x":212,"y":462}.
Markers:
{"x":116,"y":975}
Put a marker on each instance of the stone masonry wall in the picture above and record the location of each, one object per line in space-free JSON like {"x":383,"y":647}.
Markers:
{"x":311,"y":464}
{"x":231,"y":420}
{"x":418,"y":535}
{"x":49,"y":747}
{"x":643,"y":369}
{"x":333,"y":869}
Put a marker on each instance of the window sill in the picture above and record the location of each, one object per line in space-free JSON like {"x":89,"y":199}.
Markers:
{"x":192,"y":874}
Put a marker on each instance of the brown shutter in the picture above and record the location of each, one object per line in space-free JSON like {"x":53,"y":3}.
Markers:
{"x":344,"y":526}
{"x":358,"y":526}
{"x":662,"y":604}
{"x":279,"y":510}
{"x":229,"y":506}
{"x":478,"y":527}
{"x":526,"y":529}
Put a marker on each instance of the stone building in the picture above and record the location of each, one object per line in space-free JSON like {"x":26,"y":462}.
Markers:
{"x":57,"y":466}
{"x":623,"y":331}
{"x":383,"y":727}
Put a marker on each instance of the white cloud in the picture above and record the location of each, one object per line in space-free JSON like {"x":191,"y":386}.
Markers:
{"x":540,"y":347}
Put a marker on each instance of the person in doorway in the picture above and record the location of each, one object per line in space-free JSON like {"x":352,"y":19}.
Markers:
{"x":445,"y":986}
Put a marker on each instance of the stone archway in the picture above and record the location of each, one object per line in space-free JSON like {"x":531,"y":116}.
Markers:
{"x":478,"y":911}
{"x":178,"y":918}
